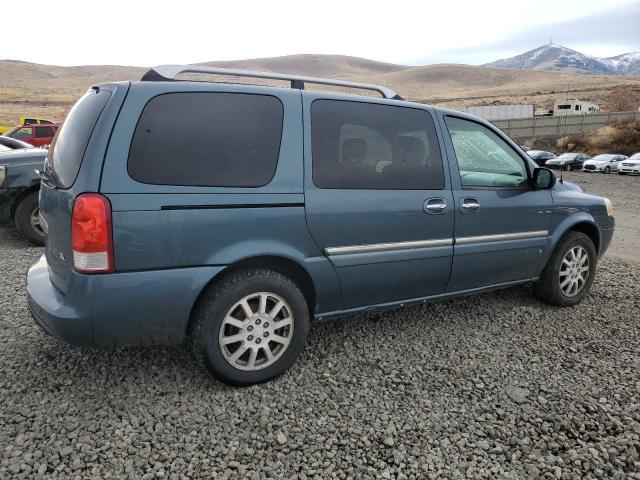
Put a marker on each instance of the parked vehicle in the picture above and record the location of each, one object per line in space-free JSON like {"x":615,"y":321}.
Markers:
{"x":568,"y":161}
{"x":275,"y":206}
{"x":36,"y":135}
{"x":13,"y":143}
{"x":631,"y":165}
{"x":19,"y":187}
{"x":540,"y":156}
{"x":604,"y":163}
{"x":25,"y":121}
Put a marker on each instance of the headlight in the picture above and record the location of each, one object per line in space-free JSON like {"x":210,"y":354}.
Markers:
{"x":3,"y":174}
{"x":609,"y":204}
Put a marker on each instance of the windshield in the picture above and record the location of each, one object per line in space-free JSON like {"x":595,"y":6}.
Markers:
{"x":602,"y":158}
{"x":568,"y":156}
{"x":3,"y":148}
{"x":635,"y":156}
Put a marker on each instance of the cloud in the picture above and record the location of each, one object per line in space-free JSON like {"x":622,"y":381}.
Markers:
{"x":604,"y":34}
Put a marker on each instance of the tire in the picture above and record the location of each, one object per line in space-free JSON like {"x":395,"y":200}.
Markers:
{"x":622,"y":173}
{"x":607,"y":170}
{"x":26,"y":220}
{"x":549,"y":289}
{"x":567,"y":168}
{"x":216,"y":319}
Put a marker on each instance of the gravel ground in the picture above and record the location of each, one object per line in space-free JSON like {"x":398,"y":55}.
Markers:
{"x":492,"y":386}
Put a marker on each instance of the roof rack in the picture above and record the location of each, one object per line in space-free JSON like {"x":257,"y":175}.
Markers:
{"x":170,"y":72}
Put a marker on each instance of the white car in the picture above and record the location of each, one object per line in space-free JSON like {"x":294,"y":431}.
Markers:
{"x":605,"y":163}
{"x":631,"y":165}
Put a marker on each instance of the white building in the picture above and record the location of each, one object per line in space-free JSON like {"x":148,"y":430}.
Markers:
{"x":501,"y":112}
{"x":575,"y":107}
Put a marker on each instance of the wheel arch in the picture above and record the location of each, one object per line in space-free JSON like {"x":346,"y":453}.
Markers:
{"x":580,"y":223}
{"x":288,"y":267}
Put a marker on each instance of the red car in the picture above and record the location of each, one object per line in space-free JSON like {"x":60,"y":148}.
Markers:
{"x":36,"y":135}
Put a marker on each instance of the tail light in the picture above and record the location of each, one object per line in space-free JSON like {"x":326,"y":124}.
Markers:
{"x":91,"y":236}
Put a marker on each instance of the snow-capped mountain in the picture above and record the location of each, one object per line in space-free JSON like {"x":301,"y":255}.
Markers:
{"x":553,"y":57}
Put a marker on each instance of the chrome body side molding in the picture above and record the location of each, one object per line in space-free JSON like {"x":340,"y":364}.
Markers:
{"x":444,"y":242}
{"x":382,"y":247}
{"x":501,"y":237}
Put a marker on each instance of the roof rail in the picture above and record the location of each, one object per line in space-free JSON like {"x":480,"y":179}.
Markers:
{"x":170,"y":72}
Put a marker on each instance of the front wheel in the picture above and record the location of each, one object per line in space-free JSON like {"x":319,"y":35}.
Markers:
{"x":567,"y":277}
{"x":622,"y":173}
{"x":607,"y":170}
{"x":27,"y":219}
{"x":250,"y":327}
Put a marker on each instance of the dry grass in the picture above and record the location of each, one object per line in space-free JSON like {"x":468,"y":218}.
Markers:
{"x":623,"y":138}
{"x":49,"y":91}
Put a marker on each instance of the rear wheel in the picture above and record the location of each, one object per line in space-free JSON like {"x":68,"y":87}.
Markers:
{"x":567,"y":277}
{"x":607,"y":170}
{"x":27,"y":219}
{"x":250,"y":327}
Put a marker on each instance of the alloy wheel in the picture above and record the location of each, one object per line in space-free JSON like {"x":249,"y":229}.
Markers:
{"x":256,"y":331}
{"x":34,"y":220}
{"x":574,"y":271}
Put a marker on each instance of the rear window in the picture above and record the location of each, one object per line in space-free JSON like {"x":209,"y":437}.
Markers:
{"x":44,"y":132}
{"x":357,"y":145}
{"x":207,"y":139}
{"x":70,"y":142}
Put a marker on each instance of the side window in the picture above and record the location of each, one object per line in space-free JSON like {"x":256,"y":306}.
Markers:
{"x":484,"y":159}
{"x":46,"y":122}
{"x":207,"y":139}
{"x":25,"y":132}
{"x":44,"y":132}
{"x":357,"y":145}
{"x":30,"y":121}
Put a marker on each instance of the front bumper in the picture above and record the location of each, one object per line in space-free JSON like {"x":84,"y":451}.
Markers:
{"x":119,"y":309}
{"x":629,"y":169}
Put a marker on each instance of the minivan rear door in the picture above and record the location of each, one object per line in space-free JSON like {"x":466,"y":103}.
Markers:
{"x":377,"y":199}
{"x":73,"y":166}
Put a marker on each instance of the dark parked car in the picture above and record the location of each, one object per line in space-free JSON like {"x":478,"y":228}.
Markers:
{"x":271,"y":207}
{"x":19,"y":187}
{"x":568,"y":161}
{"x":540,"y":156}
{"x":13,"y":143}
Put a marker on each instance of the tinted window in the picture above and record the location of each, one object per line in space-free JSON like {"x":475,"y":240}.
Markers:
{"x":72,"y":137}
{"x":484,"y":159}
{"x":30,"y":121}
{"x":372,"y":146}
{"x":46,"y":122}
{"x":207,"y":139}
{"x":25,"y":132}
{"x":44,"y":132}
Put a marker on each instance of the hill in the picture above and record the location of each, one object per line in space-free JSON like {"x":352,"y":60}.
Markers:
{"x":49,"y":91}
{"x":553,"y":57}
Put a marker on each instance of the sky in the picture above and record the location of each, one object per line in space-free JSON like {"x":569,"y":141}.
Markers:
{"x":145,"y":33}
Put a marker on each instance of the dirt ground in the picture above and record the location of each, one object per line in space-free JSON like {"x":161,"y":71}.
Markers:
{"x":624,"y":192}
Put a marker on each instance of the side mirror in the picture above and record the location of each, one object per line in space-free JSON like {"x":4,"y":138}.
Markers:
{"x":543,"y":179}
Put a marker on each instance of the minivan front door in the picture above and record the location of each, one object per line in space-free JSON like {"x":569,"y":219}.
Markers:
{"x":377,"y":198}
{"x":501,"y":222}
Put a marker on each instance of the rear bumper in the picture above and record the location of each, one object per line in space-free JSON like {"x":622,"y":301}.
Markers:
{"x":120,"y":309}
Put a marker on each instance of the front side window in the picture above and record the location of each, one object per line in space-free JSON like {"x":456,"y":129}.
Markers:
{"x":207,"y":139}
{"x":484,"y":159}
{"x":25,"y":132}
{"x":357,"y":145}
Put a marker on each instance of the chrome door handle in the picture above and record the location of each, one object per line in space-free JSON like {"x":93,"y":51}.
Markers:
{"x":469,"y":205}
{"x":435,"y":206}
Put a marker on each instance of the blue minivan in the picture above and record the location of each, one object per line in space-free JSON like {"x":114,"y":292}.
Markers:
{"x":228,"y":216}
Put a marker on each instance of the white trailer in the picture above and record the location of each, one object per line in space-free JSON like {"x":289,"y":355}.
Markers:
{"x":574,"y":107}
{"x":501,"y":112}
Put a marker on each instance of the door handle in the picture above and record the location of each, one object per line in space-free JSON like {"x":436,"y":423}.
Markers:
{"x":469,"y":205}
{"x":435,"y":206}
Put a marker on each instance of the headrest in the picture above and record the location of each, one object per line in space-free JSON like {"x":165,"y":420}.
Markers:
{"x":408,"y":149}
{"x":353,"y":148}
